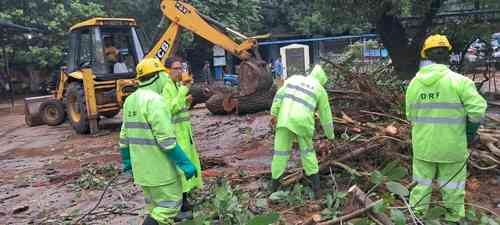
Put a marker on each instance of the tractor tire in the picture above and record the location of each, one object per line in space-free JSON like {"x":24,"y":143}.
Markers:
{"x":32,"y":119}
{"x":76,"y":108}
{"x":52,"y":113}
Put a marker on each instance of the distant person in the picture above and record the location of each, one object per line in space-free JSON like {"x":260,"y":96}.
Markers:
{"x":111,"y":53}
{"x":120,"y":66}
{"x":277,"y":68}
{"x":206,"y":72}
{"x":4,"y":83}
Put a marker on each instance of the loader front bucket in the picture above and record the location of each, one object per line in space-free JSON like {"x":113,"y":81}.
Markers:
{"x":32,"y":115}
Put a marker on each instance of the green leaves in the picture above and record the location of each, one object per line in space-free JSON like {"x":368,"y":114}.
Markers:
{"x":334,"y":205}
{"x":261,"y":203}
{"x":279,"y":195}
{"x":394,"y":171}
{"x":54,"y":17}
{"x":398,"y":217}
{"x":397,"y":189}
{"x":435,"y":213}
{"x":377,"y":177}
{"x":296,"y":196}
{"x":379,"y":208}
{"x":227,"y":205}
{"x":264,"y":219}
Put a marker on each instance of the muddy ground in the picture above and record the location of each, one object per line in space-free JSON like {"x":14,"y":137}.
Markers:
{"x":40,"y":166}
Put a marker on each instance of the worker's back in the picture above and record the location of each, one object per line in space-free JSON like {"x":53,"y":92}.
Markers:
{"x":147,"y":130}
{"x":299,"y":102}
{"x":438,"y":102}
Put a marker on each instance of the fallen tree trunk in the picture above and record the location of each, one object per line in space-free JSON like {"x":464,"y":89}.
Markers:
{"x":226,"y":102}
{"x":200,"y":93}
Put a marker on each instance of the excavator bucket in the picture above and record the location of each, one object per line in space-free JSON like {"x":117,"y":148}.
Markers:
{"x":32,"y":105}
{"x":254,"y":77}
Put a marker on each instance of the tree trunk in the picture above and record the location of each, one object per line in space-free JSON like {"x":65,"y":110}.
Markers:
{"x":223,"y":103}
{"x":405,"y":58}
{"x":404,"y":49}
{"x":200,"y":93}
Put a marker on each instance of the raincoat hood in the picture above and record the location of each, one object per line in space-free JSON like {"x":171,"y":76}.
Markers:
{"x":430,"y":74}
{"x":319,"y":74}
{"x":156,"y":83}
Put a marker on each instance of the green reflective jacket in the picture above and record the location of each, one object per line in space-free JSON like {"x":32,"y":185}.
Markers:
{"x":297,"y":101}
{"x":148,"y":133}
{"x":176,"y":96}
{"x":438,"y":103}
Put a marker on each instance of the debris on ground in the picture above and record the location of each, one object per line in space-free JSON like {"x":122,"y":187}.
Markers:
{"x":366,"y":171}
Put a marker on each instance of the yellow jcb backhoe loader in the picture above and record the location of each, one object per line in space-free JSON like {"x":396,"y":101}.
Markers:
{"x":103,"y":55}
{"x":99,"y":75}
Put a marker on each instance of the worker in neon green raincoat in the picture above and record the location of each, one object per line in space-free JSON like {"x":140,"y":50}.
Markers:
{"x":176,"y":93}
{"x":445,"y":110}
{"x":293,"y":110}
{"x":149,"y":147}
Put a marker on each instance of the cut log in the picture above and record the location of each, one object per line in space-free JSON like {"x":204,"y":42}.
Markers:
{"x":200,"y":93}
{"x":224,"y":103}
{"x":256,"y":102}
{"x":215,"y":104}
{"x":254,"y":77}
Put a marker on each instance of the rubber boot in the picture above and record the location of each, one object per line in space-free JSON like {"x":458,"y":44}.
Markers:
{"x":185,"y":213}
{"x":275,"y":184}
{"x":150,"y":221}
{"x":316,"y":185}
{"x":186,"y":206}
{"x":182,"y":216}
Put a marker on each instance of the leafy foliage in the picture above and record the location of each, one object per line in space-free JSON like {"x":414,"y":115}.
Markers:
{"x":334,"y":205}
{"x":228,"y":206}
{"x":95,"y":177}
{"x":54,"y":18}
{"x":296,"y":196}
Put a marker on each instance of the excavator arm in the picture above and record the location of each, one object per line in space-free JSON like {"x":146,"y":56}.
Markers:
{"x":183,"y":15}
{"x":253,"y":74}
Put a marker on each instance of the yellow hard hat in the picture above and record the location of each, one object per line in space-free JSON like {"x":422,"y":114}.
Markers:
{"x":435,"y":41}
{"x":148,"y":66}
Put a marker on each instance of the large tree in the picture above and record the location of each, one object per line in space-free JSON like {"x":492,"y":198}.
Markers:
{"x":53,"y":18}
{"x":386,"y":17}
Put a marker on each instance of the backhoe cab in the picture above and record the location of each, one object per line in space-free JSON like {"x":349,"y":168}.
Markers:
{"x":99,"y":75}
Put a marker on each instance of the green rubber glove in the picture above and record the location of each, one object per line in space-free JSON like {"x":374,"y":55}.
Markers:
{"x":182,"y":161}
{"x":126,"y":163}
{"x":471,"y":131}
